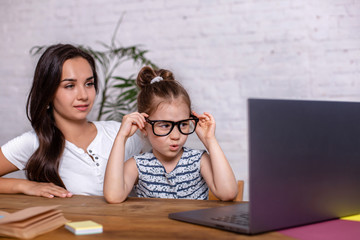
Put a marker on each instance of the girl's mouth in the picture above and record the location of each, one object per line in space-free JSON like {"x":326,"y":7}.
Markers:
{"x":174,"y":147}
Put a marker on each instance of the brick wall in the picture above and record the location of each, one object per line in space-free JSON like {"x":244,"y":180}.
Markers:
{"x":222,"y":51}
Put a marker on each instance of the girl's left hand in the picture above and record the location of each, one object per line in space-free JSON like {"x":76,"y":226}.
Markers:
{"x":131,"y":122}
{"x":206,"y":126}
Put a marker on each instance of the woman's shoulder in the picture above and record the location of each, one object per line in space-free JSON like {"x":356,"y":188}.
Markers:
{"x":19,"y":149}
{"x":24,"y":138}
{"x":108,"y":124}
{"x":109,"y":128}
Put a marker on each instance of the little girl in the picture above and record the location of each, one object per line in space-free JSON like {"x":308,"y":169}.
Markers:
{"x":169,"y":170}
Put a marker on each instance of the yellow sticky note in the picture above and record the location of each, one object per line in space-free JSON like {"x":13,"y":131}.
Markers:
{"x":352,"y":218}
{"x":84,"y":227}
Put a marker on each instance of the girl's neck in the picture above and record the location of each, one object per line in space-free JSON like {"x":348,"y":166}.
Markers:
{"x":169,"y":163}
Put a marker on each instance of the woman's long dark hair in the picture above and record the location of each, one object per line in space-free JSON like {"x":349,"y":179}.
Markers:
{"x":43,"y":165}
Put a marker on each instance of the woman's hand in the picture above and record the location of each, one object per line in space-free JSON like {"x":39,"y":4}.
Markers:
{"x":41,"y":189}
{"x":206,"y":127}
{"x":132,"y":122}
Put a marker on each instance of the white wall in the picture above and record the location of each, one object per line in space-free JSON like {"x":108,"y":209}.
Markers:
{"x":223,"y":51}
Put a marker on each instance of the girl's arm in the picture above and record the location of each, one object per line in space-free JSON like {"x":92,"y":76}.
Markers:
{"x":215,"y":168}
{"x":13,"y":185}
{"x":120,"y":177}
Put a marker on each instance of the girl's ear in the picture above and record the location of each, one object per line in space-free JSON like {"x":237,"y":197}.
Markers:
{"x":143,"y":131}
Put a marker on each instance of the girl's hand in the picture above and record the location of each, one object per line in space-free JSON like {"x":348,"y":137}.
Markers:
{"x":48,"y":190}
{"x":132,"y":122}
{"x":206,"y":126}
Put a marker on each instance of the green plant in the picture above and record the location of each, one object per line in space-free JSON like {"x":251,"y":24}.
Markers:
{"x":117,"y":93}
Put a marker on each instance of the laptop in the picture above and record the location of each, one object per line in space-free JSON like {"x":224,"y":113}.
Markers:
{"x":304,"y":162}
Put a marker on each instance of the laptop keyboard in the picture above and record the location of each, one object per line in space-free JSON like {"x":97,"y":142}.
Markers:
{"x":239,"y":219}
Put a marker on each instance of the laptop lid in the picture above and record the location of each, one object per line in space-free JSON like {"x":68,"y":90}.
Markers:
{"x":304,"y":162}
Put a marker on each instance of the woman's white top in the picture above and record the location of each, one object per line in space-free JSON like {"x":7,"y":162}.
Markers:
{"x":81,"y":172}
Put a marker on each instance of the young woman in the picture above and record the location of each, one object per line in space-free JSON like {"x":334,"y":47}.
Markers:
{"x":169,"y":170}
{"x":64,"y":154}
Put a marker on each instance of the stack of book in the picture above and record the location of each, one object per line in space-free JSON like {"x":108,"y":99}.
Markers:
{"x":31,"y":222}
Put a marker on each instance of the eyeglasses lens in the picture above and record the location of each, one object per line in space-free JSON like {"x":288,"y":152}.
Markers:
{"x":164,"y":127}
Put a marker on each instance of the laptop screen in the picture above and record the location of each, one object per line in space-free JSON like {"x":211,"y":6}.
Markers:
{"x":304,"y":161}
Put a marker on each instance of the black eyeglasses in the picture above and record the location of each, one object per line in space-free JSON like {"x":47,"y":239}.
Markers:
{"x":163,"y":128}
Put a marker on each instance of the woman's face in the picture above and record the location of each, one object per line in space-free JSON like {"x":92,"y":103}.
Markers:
{"x":76,"y":93}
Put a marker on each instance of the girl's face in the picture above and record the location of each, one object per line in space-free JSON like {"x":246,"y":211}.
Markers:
{"x":76,"y":93}
{"x":167,"y":148}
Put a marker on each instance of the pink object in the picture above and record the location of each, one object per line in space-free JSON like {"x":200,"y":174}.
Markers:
{"x":329,"y":230}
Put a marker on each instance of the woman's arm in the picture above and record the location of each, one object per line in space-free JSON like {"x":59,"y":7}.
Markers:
{"x":120,"y":177}
{"x":215,"y":167}
{"x":13,"y":185}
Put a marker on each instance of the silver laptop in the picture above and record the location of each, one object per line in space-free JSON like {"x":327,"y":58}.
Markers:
{"x":304,"y":167}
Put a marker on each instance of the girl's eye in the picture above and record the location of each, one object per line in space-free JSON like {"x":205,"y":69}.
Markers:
{"x":184,"y":124}
{"x":163,"y":125}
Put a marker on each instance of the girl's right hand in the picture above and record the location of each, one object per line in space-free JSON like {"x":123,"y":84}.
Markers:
{"x":42,"y":189}
{"x":132,"y":122}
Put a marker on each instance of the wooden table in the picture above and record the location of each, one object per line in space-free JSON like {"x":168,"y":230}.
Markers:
{"x":136,"y":218}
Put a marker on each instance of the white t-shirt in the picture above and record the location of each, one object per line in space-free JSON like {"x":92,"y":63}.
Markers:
{"x":81,"y":174}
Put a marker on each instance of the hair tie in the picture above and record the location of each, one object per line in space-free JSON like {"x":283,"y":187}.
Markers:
{"x":156,"y":79}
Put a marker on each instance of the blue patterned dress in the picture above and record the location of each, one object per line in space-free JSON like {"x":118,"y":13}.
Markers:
{"x":184,"y":182}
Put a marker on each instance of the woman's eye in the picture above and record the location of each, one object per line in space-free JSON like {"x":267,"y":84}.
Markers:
{"x":90,"y":84}
{"x":69,"y":86}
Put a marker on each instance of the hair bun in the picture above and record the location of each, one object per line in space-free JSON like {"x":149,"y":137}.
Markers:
{"x":147,"y":76}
